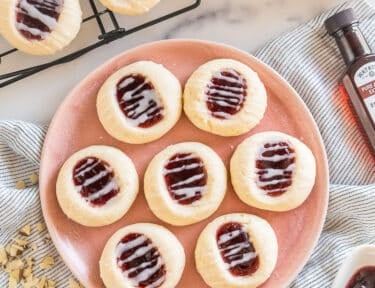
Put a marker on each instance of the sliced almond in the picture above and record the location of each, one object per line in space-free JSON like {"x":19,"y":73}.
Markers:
{"x":42,"y":283}
{"x":30,"y":283}
{"x":20,"y":185}
{"x":47,"y":263}
{"x":7,"y":248}
{"x":40,"y":226}
{"x":26,"y":230}
{"x":34,"y":178}
{"x":3,"y":255}
{"x":51,"y":283}
{"x":14,"y":265}
{"x":21,"y":242}
{"x":34,"y":246}
{"x":15,"y":250}
{"x":47,"y":238}
{"x":29,"y":261}
{"x":26,"y":272}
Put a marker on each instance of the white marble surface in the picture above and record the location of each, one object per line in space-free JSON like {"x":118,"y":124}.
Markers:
{"x":246,"y":24}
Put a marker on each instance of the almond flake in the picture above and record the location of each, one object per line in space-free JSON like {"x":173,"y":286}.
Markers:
{"x":7,"y":248}
{"x":20,"y":185}
{"x":12,"y":283}
{"x":30,"y":283}
{"x":47,"y":238}
{"x":18,"y":247}
{"x":40,"y":226}
{"x":34,"y":178}
{"x":14,"y":265}
{"x":16,"y":275}
{"x":34,"y":246}
{"x":26,"y":272}
{"x":47,"y":262}
{"x":42,"y":283}
{"x":26,"y":230}
{"x":51,"y":283}
{"x":29,"y":261}
{"x":3,"y":256}
{"x":15,"y":250}
{"x":21,"y":242}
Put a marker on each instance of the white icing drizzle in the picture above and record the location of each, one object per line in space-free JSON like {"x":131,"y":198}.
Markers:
{"x":179,"y":158}
{"x":228,"y":236}
{"x":185,"y":187}
{"x":245,"y":258}
{"x":90,"y":164}
{"x":188,"y":180}
{"x":35,"y":11}
{"x":230,"y":93}
{"x":139,"y":104}
{"x":274,"y":175}
{"x":33,"y":31}
{"x":233,"y":252}
{"x":90,"y":175}
{"x":144,"y":269}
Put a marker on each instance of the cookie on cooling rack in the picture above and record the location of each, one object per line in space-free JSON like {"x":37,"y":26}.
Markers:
{"x":97,"y":185}
{"x":130,"y":7}
{"x":40,"y":27}
{"x":140,"y":102}
{"x":225,"y":97}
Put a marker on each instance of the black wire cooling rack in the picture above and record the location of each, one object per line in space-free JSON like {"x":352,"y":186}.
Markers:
{"x":106,"y":36}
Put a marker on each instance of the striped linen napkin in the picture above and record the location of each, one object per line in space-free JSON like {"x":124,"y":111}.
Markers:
{"x":311,"y":63}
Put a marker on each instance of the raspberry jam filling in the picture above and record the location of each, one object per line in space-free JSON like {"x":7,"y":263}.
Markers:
{"x":226,"y":93}
{"x":185,"y":177}
{"x":35,"y":19}
{"x":140,"y":261}
{"x":363,"y":278}
{"x":94,"y":180}
{"x":139,"y":101}
{"x":275,"y":165}
{"x":236,"y":249}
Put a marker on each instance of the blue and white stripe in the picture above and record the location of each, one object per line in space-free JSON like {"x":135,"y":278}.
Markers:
{"x":309,"y":60}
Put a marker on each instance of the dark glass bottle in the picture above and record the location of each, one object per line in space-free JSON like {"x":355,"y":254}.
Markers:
{"x":358,"y":82}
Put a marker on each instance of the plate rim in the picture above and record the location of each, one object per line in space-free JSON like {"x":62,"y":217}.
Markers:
{"x":269,"y":69}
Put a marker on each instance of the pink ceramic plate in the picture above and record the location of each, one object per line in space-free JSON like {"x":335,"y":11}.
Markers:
{"x":76,"y":126}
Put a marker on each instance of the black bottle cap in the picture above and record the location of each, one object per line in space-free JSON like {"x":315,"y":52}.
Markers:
{"x":340,"y":20}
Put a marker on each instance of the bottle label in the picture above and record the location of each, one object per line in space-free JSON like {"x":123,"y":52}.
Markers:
{"x":364,"y":79}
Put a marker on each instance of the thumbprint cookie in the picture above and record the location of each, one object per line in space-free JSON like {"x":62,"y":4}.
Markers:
{"x":142,"y":255}
{"x":225,"y":97}
{"x":273,"y":171}
{"x":236,"y":251}
{"x":40,"y":27}
{"x":140,"y":102}
{"x":130,"y":7}
{"x":185,"y":183}
{"x":97,"y":185}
